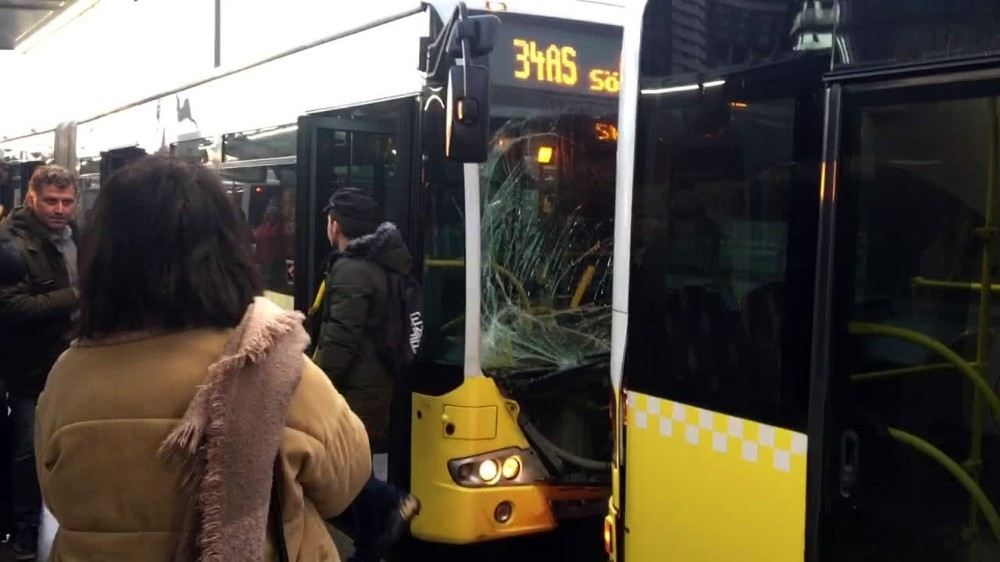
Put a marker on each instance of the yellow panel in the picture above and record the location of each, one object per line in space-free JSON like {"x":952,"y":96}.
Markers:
{"x":454,"y":514}
{"x":459,"y":422}
{"x":701,"y":486}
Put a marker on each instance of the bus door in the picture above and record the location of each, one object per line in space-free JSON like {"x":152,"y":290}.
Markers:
{"x":368,"y":147}
{"x":716,"y":363}
{"x":909,"y":363}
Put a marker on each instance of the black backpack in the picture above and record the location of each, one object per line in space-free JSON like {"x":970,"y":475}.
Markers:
{"x":403,"y":328}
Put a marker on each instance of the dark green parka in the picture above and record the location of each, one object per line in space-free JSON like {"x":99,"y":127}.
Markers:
{"x":354,"y":310}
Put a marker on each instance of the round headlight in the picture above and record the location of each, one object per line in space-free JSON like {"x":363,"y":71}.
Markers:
{"x":488,"y":470}
{"x":511,"y":467}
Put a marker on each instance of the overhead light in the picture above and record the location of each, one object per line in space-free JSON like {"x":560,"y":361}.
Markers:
{"x":670,"y":90}
{"x":496,"y":6}
{"x":684,"y":88}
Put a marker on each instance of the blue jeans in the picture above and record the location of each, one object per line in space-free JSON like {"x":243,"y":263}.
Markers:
{"x":26,"y":498}
{"x":368,"y":513}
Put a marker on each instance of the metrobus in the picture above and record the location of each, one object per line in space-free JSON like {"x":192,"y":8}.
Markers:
{"x":501,"y":429}
{"x":804,"y":348}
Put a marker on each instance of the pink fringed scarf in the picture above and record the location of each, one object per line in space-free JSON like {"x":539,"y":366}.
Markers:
{"x":229,"y":436}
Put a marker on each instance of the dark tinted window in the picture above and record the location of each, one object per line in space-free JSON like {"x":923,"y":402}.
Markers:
{"x":903,"y":31}
{"x":269,"y":142}
{"x":691,"y":36}
{"x":724,"y":212}
{"x":195,"y":150}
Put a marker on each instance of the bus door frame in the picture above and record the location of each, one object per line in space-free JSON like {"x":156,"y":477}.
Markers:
{"x":407,"y":216}
{"x":828,"y":433}
{"x":308,"y":208}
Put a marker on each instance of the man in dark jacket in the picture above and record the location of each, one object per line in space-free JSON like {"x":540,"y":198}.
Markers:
{"x":355,"y":308}
{"x":11,"y":271}
{"x":36,"y":317}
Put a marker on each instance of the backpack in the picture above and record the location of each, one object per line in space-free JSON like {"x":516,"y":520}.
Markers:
{"x":403,"y":328}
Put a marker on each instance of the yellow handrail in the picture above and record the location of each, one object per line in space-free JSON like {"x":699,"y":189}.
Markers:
{"x":975,"y":492}
{"x":582,"y":286}
{"x":445,"y":263}
{"x":318,"y":301}
{"x":915,"y":370}
{"x":931,"y":344}
{"x":941,"y":284}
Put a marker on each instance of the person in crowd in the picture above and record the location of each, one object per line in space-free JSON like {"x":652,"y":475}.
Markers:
{"x":11,"y":271}
{"x":273,"y":246}
{"x":5,"y":187}
{"x":186,"y":395}
{"x":355,"y":308}
{"x":36,"y":309}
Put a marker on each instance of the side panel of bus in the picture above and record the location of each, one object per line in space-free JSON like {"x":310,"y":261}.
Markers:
{"x":717,"y":487}
{"x":723,"y":252}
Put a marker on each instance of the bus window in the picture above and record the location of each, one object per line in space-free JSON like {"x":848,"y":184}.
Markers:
{"x":199,"y":150}
{"x":724,"y":213}
{"x":258,"y":144}
{"x":265,"y":196}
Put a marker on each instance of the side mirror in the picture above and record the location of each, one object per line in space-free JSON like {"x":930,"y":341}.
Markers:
{"x":481,"y":31}
{"x":468,"y":114}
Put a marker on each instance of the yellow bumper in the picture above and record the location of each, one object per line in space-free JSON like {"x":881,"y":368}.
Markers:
{"x":471,"y":420}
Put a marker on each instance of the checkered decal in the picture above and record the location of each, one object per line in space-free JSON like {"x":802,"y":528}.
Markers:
{"x":751,"y":441}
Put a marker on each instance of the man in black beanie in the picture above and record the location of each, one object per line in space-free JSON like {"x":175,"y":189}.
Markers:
{"x":354,"y":309}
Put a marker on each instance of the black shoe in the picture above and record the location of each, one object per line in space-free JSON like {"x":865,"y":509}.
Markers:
{"x":397,"y":525}
{"x":25,"y":543}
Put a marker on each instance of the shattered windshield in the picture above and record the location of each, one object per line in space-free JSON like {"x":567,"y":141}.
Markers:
{"x":547,"y":209}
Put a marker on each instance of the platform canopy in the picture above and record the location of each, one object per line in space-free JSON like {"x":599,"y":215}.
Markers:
{"x":20,"y":18}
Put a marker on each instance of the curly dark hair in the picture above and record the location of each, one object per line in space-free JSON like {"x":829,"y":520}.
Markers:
{"x":44,"y":176}
{"x":164,"y":250}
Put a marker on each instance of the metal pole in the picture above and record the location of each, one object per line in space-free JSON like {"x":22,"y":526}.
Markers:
{"x":975,"y":463}
{"x":473,"y":272}
{"x":218,"y":33}
{"x":35,"y":5}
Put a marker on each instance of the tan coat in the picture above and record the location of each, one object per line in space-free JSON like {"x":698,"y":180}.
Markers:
{"x":103,"y":415}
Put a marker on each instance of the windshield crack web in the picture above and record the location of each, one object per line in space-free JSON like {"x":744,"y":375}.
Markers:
{"x":538,"y":256}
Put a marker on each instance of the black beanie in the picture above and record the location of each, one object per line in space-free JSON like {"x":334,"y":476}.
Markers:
{"x":355,"y":210}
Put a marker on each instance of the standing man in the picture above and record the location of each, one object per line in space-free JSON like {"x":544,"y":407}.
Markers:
{"x":354,"y":312}
{"x":36,"y":313}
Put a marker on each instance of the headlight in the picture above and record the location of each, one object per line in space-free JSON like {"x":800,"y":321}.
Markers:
{"x":488,"y":470}
{"x":511,"y":467}
{"x":506,"y":467}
